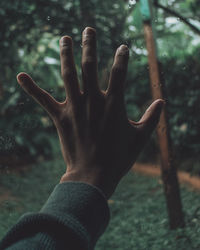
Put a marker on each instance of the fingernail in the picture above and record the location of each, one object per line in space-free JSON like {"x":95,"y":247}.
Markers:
{"x":66,"y":41}
{"x":123,"y":48}
{"x":161,"y":102}
{"x":21,"y":76}
{"x":89,"y":31}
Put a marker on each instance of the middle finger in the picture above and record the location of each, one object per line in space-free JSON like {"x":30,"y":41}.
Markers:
{"x":89,"y":62}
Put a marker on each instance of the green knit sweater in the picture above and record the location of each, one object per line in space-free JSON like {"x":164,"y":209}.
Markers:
{"x":73,"y":218}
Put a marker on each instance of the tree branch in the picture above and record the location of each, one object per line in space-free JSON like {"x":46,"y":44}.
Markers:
{"x":174,"y":13}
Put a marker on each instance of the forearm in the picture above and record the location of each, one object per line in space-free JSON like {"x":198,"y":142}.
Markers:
{"x":76,"y":214}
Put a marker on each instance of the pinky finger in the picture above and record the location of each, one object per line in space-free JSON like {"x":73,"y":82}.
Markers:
{"x":38,"y":94}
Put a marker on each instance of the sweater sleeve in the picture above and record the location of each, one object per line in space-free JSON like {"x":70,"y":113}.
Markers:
{"x":74,"y":217}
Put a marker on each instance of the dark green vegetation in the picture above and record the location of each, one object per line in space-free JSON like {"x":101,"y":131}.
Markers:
{"x":138,"y":212}
{"x":30,"y":31}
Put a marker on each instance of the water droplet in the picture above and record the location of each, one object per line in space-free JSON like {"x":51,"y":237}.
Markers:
{"x":75,"y":31}
{"x":116,"y":6}
{"x":132,"y":2}
{"x":48,"y":18}
{"x":163,"y":129}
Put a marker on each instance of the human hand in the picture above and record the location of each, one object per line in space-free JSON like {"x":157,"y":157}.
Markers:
{"x":98,"y":142}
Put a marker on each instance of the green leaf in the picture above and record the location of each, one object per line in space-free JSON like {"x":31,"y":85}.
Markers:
{"x":137,"y":17}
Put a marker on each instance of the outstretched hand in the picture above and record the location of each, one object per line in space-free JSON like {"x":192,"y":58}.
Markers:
{"x":98,"y":142}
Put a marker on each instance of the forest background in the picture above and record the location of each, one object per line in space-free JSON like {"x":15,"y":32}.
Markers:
{"x":29,"y":42}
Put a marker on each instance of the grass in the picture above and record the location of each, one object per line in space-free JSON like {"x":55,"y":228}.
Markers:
{"x":138,"y":212}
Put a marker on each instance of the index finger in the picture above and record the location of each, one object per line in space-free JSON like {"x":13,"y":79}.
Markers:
{"x":89,"y":61}
{"x":118,"y":72}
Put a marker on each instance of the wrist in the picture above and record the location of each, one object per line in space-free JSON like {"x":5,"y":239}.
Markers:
{"x":93,"y":179}
{"x":77,"y":176}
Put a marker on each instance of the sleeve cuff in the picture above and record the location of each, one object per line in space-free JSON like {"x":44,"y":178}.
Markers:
{"x":82,"y":206}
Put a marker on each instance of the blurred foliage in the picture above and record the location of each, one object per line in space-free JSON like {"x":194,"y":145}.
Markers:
{"x":30,"y":33}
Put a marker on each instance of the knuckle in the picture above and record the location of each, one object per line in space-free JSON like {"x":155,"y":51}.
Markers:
{"x":118,"y":69}
{"x":65,"y":50}
{"x":67,"y":73}
{"x":89,"y":41}
{"x":121,"y":60}
{"x":88,"y":61}
{"x":122,"y":53}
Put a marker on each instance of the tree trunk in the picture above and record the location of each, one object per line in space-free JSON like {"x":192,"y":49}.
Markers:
{"x":169,"y":173}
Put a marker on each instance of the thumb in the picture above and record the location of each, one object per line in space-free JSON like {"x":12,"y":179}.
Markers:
{"x":151,"y":117}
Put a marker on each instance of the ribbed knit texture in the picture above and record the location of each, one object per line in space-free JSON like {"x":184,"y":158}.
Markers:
{"x":74,"y":217}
